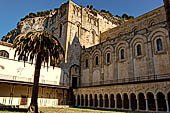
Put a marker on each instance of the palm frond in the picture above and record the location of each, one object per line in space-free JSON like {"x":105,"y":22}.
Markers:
{"x":32,"y":43}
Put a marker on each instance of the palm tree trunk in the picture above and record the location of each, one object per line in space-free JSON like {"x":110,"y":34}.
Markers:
{"x":33,"y":108}
{"x":167,"y":9}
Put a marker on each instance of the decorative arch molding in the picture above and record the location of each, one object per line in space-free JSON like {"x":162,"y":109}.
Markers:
{"x":85,"y":55}
{"x":118,"y":47}
{"x":108,"y":50}
{"x":95,"y":53}
{"x":158,"y":32}
{"x":138,"y":40}
{"x":152,"y":22}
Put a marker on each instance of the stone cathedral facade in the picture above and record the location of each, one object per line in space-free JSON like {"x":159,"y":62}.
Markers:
{"x":108,"y":64}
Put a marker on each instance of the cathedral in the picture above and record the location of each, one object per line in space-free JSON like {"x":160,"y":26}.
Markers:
{"x":108,"y":64}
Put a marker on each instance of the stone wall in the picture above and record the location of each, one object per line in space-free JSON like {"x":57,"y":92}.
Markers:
{"x":140,"y":23}
{"x":150,"y":61}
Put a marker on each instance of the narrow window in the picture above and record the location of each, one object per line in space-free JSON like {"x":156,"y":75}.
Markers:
{"x":97,"y":61}
{"x":122,"y":54}
{"x":60,"y":30}
{"x":108,"y":57}
{"x":139,"y":50}
{"x":159,"y":44}
{"x":87,"y":63}
{"x":78,"y":31}
{"x":93,"y":36}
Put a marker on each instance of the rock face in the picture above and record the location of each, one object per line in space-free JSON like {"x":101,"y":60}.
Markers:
{"x":29,"y":24}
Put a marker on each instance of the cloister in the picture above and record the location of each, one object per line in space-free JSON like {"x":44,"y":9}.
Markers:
{"x":141,"y":101}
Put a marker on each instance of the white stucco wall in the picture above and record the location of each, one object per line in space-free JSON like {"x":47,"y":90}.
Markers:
{"x":11,"y":69}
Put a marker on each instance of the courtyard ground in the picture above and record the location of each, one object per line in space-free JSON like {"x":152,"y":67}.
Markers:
{"x":60,"y":110}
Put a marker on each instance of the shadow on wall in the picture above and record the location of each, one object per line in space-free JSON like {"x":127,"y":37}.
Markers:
{"x":74,"y":51}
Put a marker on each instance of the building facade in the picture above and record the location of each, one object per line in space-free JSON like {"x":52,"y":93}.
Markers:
{"x":130,"y":68}
{"x":108,"y":64}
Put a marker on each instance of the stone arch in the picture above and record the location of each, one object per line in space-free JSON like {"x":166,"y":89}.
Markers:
{"x":133,"y":101}
{"x":155,"y":32}
{"x":160,"y":57}
{"x":86,"y":100}
{"x":95,"y":53}
{"x":138,"y":39}
{"x":91,"y":99}
{"x":142,"y":102}
{"x":125,"y":101}
{"x":162,"y":36}
{"x":82,"y":100}
{"x":122,"y":51}
{"x":108,"y":49}
{"x":101,"y":100}
{"x":119,"y":100}
{"x":95,"y":100}
{"x":86,"y":59}
{"x":161,"y":33}
{"x":151,"y":101}
{"x":121,"y":44}
{"x":106,"y":100}
{"x":151,"y":22}
{"x":161,"y":101}
{"x":112,"y":101}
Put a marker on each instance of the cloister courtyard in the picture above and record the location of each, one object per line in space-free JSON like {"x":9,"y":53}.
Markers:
{"x":61,"y":110}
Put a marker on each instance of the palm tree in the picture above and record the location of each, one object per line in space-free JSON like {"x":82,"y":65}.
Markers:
{"x":42,"y":47}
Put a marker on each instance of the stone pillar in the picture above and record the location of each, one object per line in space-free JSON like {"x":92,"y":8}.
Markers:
{"x":93,"y":101}
{"x":156,"y":104}
{"x":146,"y":104}
{"x":76,"y":101}
{"x":137,"y":104}
{"x":88,"y":105}
{"x":115,"y":103}
{"x":98,"y":101}
{"x":109,"y":102}
{"x":130,"y":107}
{"x":103,"y":102}
{"x":123,"y":103}
{"x":167,"y":105}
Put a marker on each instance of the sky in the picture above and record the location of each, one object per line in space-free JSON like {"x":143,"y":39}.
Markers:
{"x":11,"y":11}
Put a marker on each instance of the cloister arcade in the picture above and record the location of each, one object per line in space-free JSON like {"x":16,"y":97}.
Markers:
{"x":151,"y":96}
{"x":142,"y":101}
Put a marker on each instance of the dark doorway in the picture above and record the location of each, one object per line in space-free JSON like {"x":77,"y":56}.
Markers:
{"x":74,"y":82}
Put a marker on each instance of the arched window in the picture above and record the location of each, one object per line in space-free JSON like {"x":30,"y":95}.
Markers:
{"x":108,"y":57}
{"x":139,"y":50}
{"x":61,"y":27}
{"x":4,"y":54}
{"x":159,"y":44}
{"x":97,"y":60}
{"x":122,"y":54}
{"x":87,"y":63}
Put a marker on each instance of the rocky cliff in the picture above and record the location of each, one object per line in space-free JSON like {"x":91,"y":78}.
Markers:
{"x":31,"y":22}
